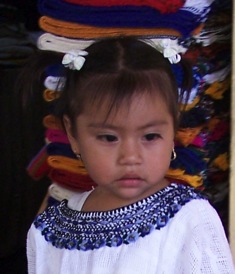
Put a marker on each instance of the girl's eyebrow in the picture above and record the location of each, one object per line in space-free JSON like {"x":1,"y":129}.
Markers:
{"x":154,"y":123}
{"x":102,"y":125}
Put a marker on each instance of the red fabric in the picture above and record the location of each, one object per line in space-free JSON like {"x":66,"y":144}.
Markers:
{"x":56,"y":135}
{"x":210,"y":52}
{"x":71,"y":180}
{"x":38,"y":167}
{"x":221,"y":130}
{"x":161,"y":5}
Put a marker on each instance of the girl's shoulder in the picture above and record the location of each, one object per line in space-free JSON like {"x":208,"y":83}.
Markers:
{"x":77,"y":200}
{"x":200,"y":213}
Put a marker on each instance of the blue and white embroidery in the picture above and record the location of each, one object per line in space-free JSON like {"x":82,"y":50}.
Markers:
{"x":71,"y":229}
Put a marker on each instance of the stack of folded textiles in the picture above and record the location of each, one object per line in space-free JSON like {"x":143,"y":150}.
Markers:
{"x":185,"y":26}
{"x":74,"y":24}
{"x":56,"y":159}
{"x":210,"y":53}
{"x":205,"y":127}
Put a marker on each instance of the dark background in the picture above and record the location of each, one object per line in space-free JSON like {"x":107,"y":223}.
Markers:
{"x":21,"y":137}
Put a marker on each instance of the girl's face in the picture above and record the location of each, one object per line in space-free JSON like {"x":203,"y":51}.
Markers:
{"x":129,"y":153}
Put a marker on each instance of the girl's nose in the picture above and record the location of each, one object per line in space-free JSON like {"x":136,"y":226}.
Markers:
{"x":129,"y":153}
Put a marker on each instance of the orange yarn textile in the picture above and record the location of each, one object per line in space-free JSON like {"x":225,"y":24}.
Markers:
{"x":75,"y":30}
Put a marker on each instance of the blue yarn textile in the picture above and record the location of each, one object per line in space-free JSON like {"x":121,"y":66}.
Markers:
{"x":189,"y":159}
{"x":185,"y":20}
{"x":56,"y":148}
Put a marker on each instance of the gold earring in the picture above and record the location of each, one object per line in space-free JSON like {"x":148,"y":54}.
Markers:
{"x":173,"y":157}
{"x":78,"y":155}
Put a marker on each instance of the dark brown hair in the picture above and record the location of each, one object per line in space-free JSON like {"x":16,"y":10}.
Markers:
{"x":115,"y":70}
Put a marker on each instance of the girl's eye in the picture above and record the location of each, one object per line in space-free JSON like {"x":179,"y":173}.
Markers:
{"x":108,"y":138}
{"x":152,"y":136}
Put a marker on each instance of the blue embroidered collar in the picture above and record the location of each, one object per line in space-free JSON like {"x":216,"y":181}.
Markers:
{"x":71,"y":229}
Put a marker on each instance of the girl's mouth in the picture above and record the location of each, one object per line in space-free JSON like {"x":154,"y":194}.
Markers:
{"x":130,"y":181}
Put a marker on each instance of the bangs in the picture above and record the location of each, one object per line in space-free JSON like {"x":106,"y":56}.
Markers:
{"x":116,"y":90}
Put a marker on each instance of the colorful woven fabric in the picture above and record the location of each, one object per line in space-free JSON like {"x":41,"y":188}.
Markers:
{"x":71,"y":180}
{"x":189,"y":159}
{"x":185,"y":20}
{"x":218,"y":88}
{"x":63,"y":149}
{"x":50,"y":95}
{"x":222,"y":162}
{"x":186,"y":136}
{"x":161,"y":5}
{"x":220,"y":130}
{"x":66,"y":163}
{"x":194,"y":118}
{"x":56,"y":135}
{"x":51,"y":121}
{"x":38,"y":166}
{"x":60,"y":193}
{"x":75,"y":30}
{"x":180,"y":174}
{"x":49,"y":41}
{"x":218,"y":75}
{"x":218,"y":26}
{"x":54,"y":82}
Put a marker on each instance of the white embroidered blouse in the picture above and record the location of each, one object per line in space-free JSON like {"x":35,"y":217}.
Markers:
{"x":173,"y":231}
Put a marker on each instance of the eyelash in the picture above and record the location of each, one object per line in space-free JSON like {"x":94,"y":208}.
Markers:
{"x":108,"y":138}
{"x":152,"y":137}
{"x":112,"y":138}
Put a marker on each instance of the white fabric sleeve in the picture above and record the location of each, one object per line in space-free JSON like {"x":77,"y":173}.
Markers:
{"x":30,"y":250}
{"x":206,"y":249}
{"x":77,"y":200}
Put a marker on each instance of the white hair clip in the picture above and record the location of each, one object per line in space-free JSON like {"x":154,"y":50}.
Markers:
{"x":172,"y":55}
{"x":74,"y":59}
{"x":169,"y":48}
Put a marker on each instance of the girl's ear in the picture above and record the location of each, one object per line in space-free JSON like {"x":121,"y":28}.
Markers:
{"x":70,"y":134}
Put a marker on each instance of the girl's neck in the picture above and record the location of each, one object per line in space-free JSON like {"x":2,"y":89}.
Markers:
{"x":98,"y":200}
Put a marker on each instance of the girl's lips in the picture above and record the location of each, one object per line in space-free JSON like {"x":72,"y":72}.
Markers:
{"x":130,"y":181}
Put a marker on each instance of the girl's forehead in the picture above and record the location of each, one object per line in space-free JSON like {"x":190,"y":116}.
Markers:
{"x":137,"y":107}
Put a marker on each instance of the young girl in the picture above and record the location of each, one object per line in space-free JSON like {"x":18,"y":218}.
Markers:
{"x":119,"y":106}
